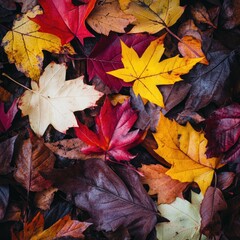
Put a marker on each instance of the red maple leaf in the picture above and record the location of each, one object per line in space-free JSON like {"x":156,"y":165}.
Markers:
{"x":112,"y":136}
{"x":6,"y":118}
{"x":64,"y":19}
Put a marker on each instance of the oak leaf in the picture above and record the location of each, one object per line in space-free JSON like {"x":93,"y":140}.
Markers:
{"x":113,"y":199}
{"x":64,"y":227}
{"x":106,"y":56}
{"x":54,"y":100}
{"x":68,"y":21}
{"x":24,"y":45}
{"x":184,"y":217}
{"x":166,"y":188}
{"x":112,"y":136}
{"x":152,"y":16}
{"x":32,"y":158}
{"x":147,"y":72}
{"x":184,"y":148}
{"x":107,"y":16}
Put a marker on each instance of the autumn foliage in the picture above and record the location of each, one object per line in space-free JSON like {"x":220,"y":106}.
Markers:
{"x":119,"y":119}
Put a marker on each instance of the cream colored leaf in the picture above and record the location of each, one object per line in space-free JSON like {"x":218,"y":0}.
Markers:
{"x":184,"y":217}
{"x":107,"y":16}
{"x":24,"y":45}
{"x":54,"y":100}
{"x":152,"y":16}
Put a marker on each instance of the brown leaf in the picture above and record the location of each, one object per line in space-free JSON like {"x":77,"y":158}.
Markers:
{"x":107,"y":16}
{"x":200,"y":14}
{"x":44,"y":199}
{"x":70,"y":148}
{"x":13,"y":213}
{"x":161,"y":184}
{"x":225,"y":179}
{"x":33,"y":157}
{"x":4,"y":95}
{"x":212,"y":204}
{"x":6,"y":153}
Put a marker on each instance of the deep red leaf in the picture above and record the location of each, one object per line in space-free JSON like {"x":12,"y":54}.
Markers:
{"x":112,"y":136}
{"x":106,"y":56}
{"x":113,"y":199}
{"x":6,"y":118}
{"x":223,"y":132}
{"x":64,"y":19}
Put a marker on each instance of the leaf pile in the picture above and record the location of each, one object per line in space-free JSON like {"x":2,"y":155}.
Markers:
{"x":119,"y":119}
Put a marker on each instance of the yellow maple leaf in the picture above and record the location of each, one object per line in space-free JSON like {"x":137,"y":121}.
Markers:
{"x":184,"y":148}
{"x":147,"y":72}
{"x":24,"y":45}
{"x":152,"y":16}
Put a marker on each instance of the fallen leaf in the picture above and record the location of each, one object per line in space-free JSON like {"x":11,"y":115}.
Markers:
{"x":65,"y":227}
{"x":4,"y":198}
{"x":68,"y":21}
{"x":230,"y":13}
{"x":8,"y":4}
{"x":225,"y":179}
{"x":209,"y":83}
{"x":54,"y":100}
{"x":161,"y":184}
{"x":223,"y":132}
{"x":13,"y":213}
{"x":113,"y":200}
{"x":6,"y":154}
{"x":4,"y":95}
{"x":184,"y":148}
{"x":27,"y":4}
{"x":107,"y":16}
{"x":33,"y":157}
{"x":195,"y":44}
{"x":184,"y":217}
{"x":24,"y":45}
{"x":70,"y":148}
{"x":112,"y":136}
{"x":106,"y":56}
{"x":212,"y":204}
{"x":153,"y":16}
{"x":147,"y":72}
{"x":44,"y":199}
{"x":6,"y":118}
{"x":200,"y":14}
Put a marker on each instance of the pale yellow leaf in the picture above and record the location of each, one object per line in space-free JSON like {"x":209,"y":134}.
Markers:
{"x":54,"y":100}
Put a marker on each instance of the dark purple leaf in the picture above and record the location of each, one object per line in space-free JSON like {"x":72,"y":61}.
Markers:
{"x":113,"y":199}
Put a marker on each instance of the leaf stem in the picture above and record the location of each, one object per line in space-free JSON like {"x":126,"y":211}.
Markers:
{"x":180,"y":40}
{"x":4,"y":74}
